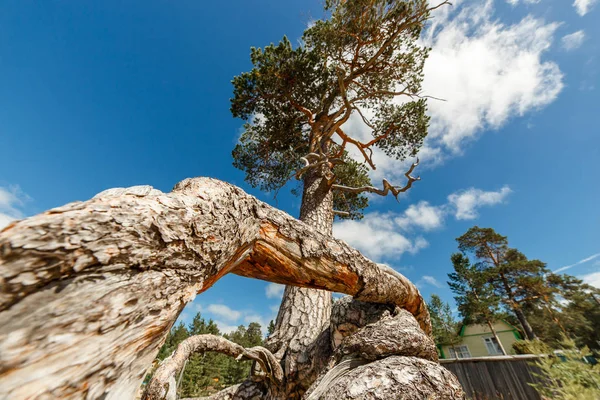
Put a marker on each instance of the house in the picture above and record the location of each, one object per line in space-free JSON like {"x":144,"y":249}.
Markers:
{"x":478,"y":341}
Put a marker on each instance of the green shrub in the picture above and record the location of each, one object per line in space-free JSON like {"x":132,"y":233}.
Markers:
{"x":566,"y":375}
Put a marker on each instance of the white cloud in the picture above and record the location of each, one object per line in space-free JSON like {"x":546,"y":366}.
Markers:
{"x":431,"y":281}
{"x":515,"y":2}
{"x":466,"y":203}
{"x":223,"y":311}
{"x":376,"y":236}
{"x":592,"y":279}
{"x":225,"y":327}
{"x":422,"y":215}
{"x":585,"y":260}
{"x":274,"y":290}
{"x":573,"y":40}
{"x":487,"y":72}
{"x":389,"y":235}
{"x":583,"y":6}
{"x":11,"y":201}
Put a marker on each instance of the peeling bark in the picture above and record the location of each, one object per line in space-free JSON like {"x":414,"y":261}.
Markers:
{"x":88,"y":291}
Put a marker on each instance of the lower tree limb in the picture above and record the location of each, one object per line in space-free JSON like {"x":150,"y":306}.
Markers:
{"x":89,"y":291}
{"x":161,"y":383}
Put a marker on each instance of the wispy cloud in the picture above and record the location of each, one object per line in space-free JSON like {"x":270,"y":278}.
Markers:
{"x":585,"y":260}
{"x":515,"y":2}
{"x":223,"y":311}
{"x":12,"y":200}
{"x":583,"y":6}
{"x":274,"y":290}
{"x":429,"y":280}
{"x":225,"y":327}
{"x":573,"y":40}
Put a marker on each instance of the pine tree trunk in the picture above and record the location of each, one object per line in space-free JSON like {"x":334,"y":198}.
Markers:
{"x":491,"y":326}
{"x":304,"y":313}
{"x":529,"y":334}
{"x":89,"y":291}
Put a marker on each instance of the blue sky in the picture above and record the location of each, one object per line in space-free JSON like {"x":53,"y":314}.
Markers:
{"x":110,"y":94}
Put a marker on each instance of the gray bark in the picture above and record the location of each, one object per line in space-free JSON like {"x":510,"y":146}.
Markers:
{"x":89,"y":291}
{"x":161,"y":386}
{"x":304,"y":313}
{"x":396,"y":377}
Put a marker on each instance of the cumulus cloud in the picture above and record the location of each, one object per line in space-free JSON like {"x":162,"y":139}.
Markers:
{"x":12,"y":200}
{"x":389,"y":235}
{"x":592,"y":279}
{"x":583,"y":6}
{"x":573,"y":40}
{"x":487,"y":72}
{"x":376,"y":236}
{"x":274,"y":290}
{"x":421,"y":215}
{"x":467,"y":202}
{"x":223,"y":311}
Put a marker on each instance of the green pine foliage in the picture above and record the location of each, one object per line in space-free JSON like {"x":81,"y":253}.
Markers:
{"x":207,"y":373}
{"x":354,"y":63}
{"x":476,"y":301}
{"x":503,"y":281}
{"x":443,"y":323}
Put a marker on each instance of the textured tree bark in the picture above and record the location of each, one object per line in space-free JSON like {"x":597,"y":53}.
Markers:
{"x":162,"y":386}
{"x":88,"y":291}
{"x":381,"y":353}
{"x":524,"y":323}
{"x":304,"y":313}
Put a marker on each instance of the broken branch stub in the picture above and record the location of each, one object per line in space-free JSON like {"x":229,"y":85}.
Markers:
{"x":89,"y":291}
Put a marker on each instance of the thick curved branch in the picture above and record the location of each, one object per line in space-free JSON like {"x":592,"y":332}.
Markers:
{"x":105,"y":280}
{"x":387,"y":187}
{"x":164,"y":376}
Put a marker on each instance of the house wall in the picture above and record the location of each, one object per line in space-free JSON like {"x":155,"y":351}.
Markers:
{"x":473,"y":335}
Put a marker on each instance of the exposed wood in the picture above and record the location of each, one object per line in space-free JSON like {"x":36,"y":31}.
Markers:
{"x":88,"y":291}
{"x":160,"y":386}
{"x":396,"y":377}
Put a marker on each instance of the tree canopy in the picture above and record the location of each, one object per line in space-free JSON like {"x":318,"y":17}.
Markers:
{"x":362,"y":61}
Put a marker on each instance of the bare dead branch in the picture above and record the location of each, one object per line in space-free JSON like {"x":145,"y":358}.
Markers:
{"x":341,"y":213}
{"x":387,"y":187}
{"x":106,"y":278}
{"x":170,"y":366}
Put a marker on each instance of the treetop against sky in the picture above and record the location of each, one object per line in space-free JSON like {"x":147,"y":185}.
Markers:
{"x":108,"y":94}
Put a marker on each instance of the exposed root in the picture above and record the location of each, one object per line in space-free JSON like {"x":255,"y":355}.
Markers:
{"x":159,"y":387}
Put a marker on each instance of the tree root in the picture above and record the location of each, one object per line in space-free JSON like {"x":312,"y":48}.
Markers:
{"x":160,"y":387}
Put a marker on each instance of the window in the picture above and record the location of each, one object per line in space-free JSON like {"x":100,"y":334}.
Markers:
{"x":459,"y":352}
{"x":492,"y":345}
